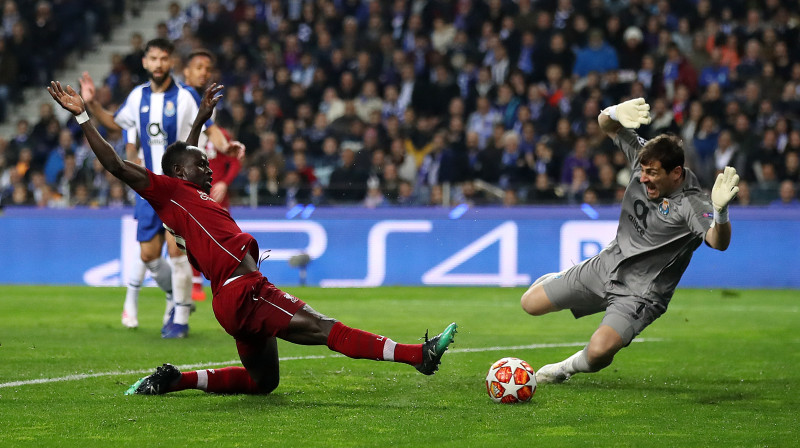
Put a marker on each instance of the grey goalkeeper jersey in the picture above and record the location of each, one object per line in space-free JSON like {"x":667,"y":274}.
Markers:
{"x":655,"y":238}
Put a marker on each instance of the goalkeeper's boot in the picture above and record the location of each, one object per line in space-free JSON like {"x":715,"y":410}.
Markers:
{"x":434,"y":348}
{"x":552,"y":373}
{"x":157,"y":383}
{"x":558,"y":372}
{"x":129,"y":320}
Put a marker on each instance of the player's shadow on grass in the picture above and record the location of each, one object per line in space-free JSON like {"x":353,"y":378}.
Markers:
{"x":248,"y":403}
{"x":701,"y":391}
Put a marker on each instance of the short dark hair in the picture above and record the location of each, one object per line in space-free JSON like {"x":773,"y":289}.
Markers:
{"x":666,"y":148}
{"x":161,"y":44}
{"x":173,"y":155}
{"x":201,"y":52}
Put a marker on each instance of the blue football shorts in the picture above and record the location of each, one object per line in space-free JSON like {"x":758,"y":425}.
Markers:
{"x":148,"y":223}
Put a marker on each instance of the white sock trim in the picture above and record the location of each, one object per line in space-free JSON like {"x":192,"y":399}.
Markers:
{"x":388,"y":349}
{"x":202,"y":379}
{"x":181,"y":280}
{"x":181,"y":316}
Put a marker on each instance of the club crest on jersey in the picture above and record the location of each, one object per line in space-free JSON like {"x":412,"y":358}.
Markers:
{"x":169,"y":109}
{"x":663,"y":208}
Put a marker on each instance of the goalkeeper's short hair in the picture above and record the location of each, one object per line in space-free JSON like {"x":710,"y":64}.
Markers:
{"x":666,"y":148}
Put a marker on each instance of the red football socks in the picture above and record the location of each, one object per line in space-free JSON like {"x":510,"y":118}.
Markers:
{"x":360,"y":344}
{"x":228,"y":380}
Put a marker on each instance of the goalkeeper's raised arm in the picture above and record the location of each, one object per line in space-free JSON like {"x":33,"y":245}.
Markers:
{"x":725,"y":188}
{"x":630,"y":114}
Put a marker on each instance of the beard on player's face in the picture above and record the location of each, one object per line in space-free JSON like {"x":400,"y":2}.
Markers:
{"x":159,"y":79}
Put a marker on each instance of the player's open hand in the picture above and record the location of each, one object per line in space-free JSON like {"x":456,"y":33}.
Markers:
{"x":725,"y":188}
{"x":209,"y":101}
{"x":633,"y":113}
{"x":87,"y":87}
{"x":68,"y":99}
{"x":236,"y":149}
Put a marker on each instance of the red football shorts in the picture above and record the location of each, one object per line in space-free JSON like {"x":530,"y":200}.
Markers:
{"x":251,"y":309}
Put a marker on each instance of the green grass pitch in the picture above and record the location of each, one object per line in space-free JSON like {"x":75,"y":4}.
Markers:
{"x":720,"y":368}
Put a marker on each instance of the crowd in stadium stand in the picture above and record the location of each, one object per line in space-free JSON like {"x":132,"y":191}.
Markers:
{"x":434,"y":102}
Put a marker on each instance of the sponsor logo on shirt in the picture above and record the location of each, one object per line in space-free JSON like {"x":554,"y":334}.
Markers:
{"x":640,"y":221}
{"x":157,"y":134}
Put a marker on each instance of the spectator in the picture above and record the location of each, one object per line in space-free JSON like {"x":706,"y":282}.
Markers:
{"x":413,"y":69}
{"x":406,"y":196}
{"x":368,"y":101}
{"x":597,"y":56}
{"x":743,"y":197}
{"x":633,"y":49}
{"x":716,"y":73}
{"x":133,"y":60}
{"x":704,"y":143}
{"x":374,"y":197}
{"x":787,"y":195}
{"x":790,"y":169}
{"x":482,"y":121}
{"x":117,"y":197}
{"x":54,"y":164}
{"x":177,"y":19}
{"x":9,"y":69}
{"x":348,"y":183}
{"x":405,"y":163}
{"x":543,"y":191}
{"x":215,"y":24}
{"x":727,"y":154}
{"x":21,"y":47}
{"x":606,"y":187}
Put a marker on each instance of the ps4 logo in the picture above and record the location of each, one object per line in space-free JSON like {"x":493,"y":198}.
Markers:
{"x":581,"y":240}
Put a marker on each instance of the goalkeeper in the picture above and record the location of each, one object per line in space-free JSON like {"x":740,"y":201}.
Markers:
{"x":665,"y":216}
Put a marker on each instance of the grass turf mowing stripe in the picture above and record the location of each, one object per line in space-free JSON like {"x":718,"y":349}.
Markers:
{"x":83,"y":376}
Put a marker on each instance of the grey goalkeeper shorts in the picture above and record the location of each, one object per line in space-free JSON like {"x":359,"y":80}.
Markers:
{"x":585,"y":289}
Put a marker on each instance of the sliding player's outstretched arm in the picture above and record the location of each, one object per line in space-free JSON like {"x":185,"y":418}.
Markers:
{"x":207,"y":105}
{"x":133,"y":175}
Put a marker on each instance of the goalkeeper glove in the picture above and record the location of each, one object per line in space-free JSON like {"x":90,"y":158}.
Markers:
{"x":725,"y":188}
{"x":631,"y":114}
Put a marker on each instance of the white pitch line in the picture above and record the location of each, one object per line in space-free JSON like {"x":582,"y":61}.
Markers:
{"x":83,"y":376}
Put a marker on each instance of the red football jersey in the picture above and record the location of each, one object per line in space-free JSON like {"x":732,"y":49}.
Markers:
{"x":225,"y":167}
{"x":213,"y":241}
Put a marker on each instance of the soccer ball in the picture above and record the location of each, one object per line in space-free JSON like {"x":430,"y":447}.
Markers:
{"x":511,"y":380}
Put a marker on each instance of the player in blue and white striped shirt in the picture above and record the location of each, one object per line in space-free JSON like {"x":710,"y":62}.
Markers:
{"x":158,"y":112}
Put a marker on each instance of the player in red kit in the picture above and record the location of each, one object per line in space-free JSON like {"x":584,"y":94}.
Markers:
{"x":197,"y":73}
{"x":245,"y":303}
